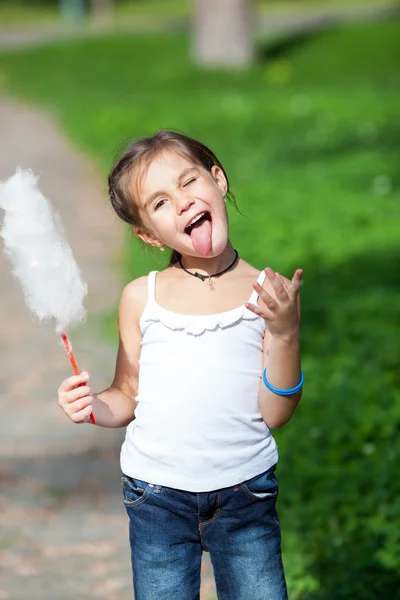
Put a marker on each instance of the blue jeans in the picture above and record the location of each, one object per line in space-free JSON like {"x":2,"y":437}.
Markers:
{"x":169,"y":529}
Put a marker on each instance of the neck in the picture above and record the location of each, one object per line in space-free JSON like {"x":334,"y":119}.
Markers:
{"x":208,"y":266}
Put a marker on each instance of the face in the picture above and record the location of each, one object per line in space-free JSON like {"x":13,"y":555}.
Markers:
{"x":182,"y":205}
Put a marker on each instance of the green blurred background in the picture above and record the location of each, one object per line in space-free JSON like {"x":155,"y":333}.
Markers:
{"x":309,"y":135}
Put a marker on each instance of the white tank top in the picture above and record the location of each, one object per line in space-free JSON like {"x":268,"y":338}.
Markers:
{"x":198,"y":427}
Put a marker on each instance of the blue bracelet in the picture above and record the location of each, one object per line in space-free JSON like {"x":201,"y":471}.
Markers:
{"x":293,"y":390}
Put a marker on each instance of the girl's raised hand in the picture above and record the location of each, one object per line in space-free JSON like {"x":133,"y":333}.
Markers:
{"x":281,"y":313}
{"x":75,"y":398}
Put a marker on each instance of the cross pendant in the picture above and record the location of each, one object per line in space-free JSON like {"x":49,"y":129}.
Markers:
{"x":210,"y":284}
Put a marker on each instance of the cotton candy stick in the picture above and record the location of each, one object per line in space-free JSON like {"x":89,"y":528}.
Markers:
{"x":41,"y":258}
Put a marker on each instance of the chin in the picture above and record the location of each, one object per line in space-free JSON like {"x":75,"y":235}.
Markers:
{"x":218,"y":246}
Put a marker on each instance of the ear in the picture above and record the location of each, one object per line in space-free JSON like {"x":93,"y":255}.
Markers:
{"x":147,"y":237}
{"x":220,"y":179}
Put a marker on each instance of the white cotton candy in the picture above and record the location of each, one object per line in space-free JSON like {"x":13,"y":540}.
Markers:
{"x":42,"y":259}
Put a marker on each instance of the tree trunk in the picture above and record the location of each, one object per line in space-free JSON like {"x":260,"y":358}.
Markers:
{"x":101,"y":10}
{"x":222,"y":32}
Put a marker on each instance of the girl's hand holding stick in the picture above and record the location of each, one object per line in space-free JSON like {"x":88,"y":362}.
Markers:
{"x":75,"y":398}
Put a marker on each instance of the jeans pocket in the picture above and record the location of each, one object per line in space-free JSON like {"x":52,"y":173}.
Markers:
{"x":134,"y":491}
{"x":262,"y":487}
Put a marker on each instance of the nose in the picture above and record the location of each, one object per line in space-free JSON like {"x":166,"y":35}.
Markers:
{"x":183,"y":202}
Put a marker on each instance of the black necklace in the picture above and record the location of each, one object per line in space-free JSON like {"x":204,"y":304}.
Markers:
{"x":208,"y":277}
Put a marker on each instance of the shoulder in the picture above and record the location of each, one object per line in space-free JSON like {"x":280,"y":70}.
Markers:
{"x":168,"y":278}
{"x":252,"y":274}
{"x":247,"y":271}
{"x":134,"y":297}
{"x":135,"y":291}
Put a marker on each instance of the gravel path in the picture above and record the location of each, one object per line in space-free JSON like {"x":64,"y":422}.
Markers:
{"x":63,"y":528}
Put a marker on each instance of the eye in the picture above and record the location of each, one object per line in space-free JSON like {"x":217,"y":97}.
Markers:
{"x":189,"y":182}
{"x":159,"y":204}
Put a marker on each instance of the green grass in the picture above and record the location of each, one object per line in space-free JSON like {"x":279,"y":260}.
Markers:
{"x":327,"y":118}
{"x":17,"y":15}
{"x":309,"y":137}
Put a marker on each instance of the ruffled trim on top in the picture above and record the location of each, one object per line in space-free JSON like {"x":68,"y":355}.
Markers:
{"x":194,"y":324}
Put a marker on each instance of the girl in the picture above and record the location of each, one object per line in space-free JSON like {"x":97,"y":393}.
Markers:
{"x":205,"y":368}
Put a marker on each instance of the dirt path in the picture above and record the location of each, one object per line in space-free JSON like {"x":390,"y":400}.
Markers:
{"x":63,"y":528}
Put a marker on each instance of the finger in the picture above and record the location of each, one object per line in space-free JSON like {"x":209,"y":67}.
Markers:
{"x":76,"y":394}
{"x":283,"y":281}
{"x":73,"y":382}
{"x":268,"y":300}
{"x":296,"y":282}
{"x":82,"y":416}
{"x":256,"y":309}
{"x":79,"y":405}
{"x":276,"y":282}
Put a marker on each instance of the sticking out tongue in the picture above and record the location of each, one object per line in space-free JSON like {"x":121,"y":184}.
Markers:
{"x":201,"y":236}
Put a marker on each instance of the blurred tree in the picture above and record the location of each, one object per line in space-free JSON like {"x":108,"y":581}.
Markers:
{"x":101,"y":10}
{"x":222,"y":32}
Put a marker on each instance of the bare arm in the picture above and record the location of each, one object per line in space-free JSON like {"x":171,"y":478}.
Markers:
{"x":115,"y":406}
{"x":282,"y":359}
{"x":281,"y":351}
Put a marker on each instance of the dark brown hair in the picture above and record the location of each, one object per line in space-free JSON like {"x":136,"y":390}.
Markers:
{"x":122,"y":181}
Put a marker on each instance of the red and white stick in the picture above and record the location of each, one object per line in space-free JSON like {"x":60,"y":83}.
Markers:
{"x":75,"y":369}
